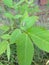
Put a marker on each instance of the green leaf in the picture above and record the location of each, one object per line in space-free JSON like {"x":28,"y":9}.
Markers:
{"x":9,"y":15}
{"x":4,"y":28}
{"x":21,"y":9}
{"x":8,"y":52}
{"x":9,"y":3}
{"x":15,"y":34}
{"x":25,"y":15}
{"x":20,"y":2}
{"x":25,"y":50}
{"x":40,"y":37}
{"x":1,"y":63}
{"x":17,"y":16}
{"x":3,"y":47}
{"x":28,"y":22}
{"x":35,"y":9}
{"x":5,"y":36}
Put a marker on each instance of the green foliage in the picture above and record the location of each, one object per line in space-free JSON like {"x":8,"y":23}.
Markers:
{"x":40,"y":37}
{"x":1,"y":63}
{"x":5,"y":36}
{"x":9,"y":15}
{"x":25,"y":49}
{"x":28,"y":22}
{"x":3,"y":47}
{"x":4,"y":28}
{"x":8,"y":3}
{"x":15,"y":34}
{"x":21,"y":31}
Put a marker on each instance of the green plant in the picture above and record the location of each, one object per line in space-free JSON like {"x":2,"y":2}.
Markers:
{"x":21,"y":31}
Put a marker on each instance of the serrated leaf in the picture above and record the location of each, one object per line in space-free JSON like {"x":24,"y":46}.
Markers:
{"x":8,"y":52}
{"x":3,"y":47}
{"x":15,"y":34}
{"x":28,"y":22}
{"x":5,"y":36}
{"x":25,"y":50}
{"x":40,"y":37}
{"x":8,"y":3}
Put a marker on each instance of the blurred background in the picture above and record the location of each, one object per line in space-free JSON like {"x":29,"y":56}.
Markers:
{"x":40,"y":57}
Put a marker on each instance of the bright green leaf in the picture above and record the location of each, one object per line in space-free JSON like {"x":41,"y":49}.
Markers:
{"x":25,"y":50}
{"x":9,"y":3}
{"x":25,"y":15}
{"x":28,"y":22}
{"x":40,"y":37}
{"x":24,"y":9}
{"x":17,"y":16}
{"x":9,"y":15}
{"x":20,"y":2}
{"x":15,"y":34}
{"x":5,"y":36}
{"x":3,"y":47}
{"x":4,"y":28}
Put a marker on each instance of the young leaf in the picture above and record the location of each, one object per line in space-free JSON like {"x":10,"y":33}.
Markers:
{"x":28,"y":22}
{"x":9,"y":15}
{"x":17,"y":16}
{"x":15,"y":34}
{"x":3,"y":47}
{"x":8,"y":52}
{"x":5,"y":36}
{"x":25,"y":50}
{"x":4,"y":28}
{"x":25,"y":15}
{"x":8,"y":3}
{"x":40,"y":37}
{"x":21,"y":8}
